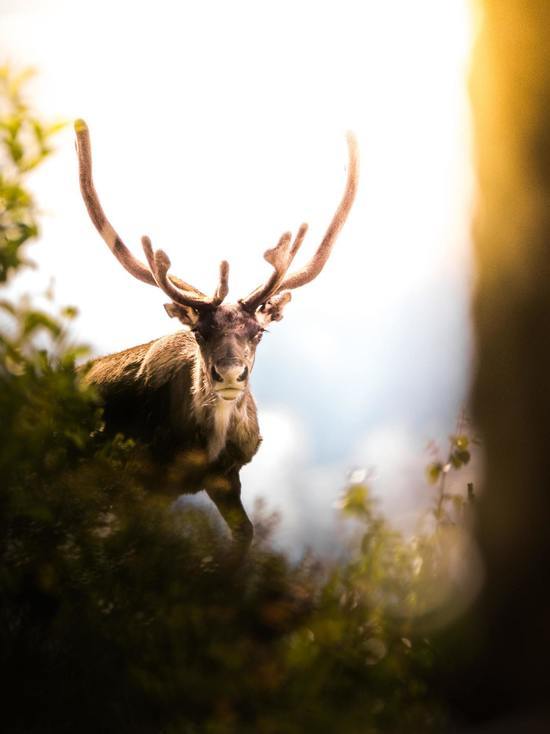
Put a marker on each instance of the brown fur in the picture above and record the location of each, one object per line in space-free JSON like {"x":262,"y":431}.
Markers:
{"x":172,"y":363}
{"x":159,"y":394}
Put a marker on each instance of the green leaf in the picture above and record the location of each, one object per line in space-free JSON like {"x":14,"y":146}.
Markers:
{"x":433,"y":471}
{"x":355,"y":500}
{"x":35,"y":320}
{"x":461,"y":441}
{"x":459,"y":458}
{"x":69,"y":312}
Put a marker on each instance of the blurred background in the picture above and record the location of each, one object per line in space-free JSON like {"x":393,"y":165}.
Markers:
{"x":217,"y":126}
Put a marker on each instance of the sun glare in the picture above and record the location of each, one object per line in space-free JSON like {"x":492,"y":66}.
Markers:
{"x":217,"y":127}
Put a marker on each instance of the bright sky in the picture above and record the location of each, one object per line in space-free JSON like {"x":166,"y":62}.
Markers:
{"x":218,"y":125}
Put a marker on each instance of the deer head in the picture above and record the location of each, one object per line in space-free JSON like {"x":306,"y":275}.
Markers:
{"x":226,"y":334}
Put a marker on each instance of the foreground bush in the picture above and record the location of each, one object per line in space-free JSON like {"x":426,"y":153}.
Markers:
{"x":120,"y":613}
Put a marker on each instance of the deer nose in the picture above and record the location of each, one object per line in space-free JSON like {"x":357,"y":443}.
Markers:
{"x":229,"y":372}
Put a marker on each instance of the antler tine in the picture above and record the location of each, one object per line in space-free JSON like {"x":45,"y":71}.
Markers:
{"x":159,"y":262}
{"x":312,"y":269}
{"x":298,"y":240}
{"x":223,"y":287}
{"x":131,"y":263}
{"x":280,"y":257}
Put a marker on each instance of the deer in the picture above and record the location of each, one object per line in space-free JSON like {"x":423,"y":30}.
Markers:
{"x":186,"y":397}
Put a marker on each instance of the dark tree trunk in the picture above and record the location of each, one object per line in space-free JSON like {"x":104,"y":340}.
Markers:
{"x":508,"y":631}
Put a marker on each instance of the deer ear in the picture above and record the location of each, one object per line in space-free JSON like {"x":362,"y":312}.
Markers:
{"x":272,"y":310}
{"x":187,"y":315}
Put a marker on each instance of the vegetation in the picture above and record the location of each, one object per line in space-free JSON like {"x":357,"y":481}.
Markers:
{"x":24,"y":143}
{"x":119,"y":613}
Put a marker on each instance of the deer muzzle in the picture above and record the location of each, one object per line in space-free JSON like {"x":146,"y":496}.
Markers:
{"x":229,"y":379}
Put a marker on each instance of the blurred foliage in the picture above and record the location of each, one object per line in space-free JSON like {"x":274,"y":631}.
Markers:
{"x":120,"y":614}
{"x":452,"y":507}
{"x":25,"y":141}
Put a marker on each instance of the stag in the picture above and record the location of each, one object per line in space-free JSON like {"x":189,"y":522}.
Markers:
{"x":187,"y":396}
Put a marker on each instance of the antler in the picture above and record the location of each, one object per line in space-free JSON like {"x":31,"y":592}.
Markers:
{"x":159,"y":264}
{"x":281,"y":256}
{"x":157,"y":272}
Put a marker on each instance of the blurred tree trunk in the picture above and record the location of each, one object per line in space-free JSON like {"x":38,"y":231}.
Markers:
{"x":511,"y":393}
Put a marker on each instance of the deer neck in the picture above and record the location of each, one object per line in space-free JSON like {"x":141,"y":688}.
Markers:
{"x":217,"y":418}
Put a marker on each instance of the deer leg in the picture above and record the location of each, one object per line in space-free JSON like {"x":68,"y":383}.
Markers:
{"x":230,"y":507}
